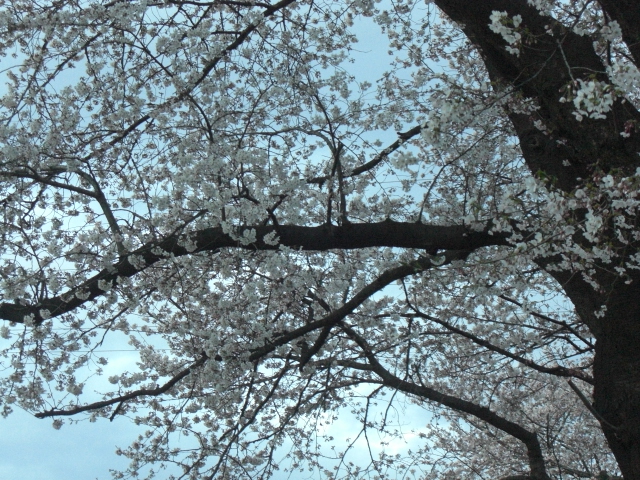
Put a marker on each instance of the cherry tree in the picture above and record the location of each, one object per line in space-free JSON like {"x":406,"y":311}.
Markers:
{"x":287,"y":242}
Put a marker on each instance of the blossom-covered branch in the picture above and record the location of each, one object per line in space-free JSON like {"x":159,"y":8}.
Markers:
{"x":320,"y":238}
{"x":530,"y":439}
{"x":123,"y":398}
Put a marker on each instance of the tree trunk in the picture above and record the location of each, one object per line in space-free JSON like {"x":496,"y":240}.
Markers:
{"x":617,"y":377}
{"x":568,"y":154}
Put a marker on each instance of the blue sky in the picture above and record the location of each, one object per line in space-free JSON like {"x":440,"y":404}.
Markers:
{"x":33,"y":450}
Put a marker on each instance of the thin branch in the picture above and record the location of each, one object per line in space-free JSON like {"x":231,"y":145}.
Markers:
{"x":121,"y":399}
{"x":364,"y":294}
{"x":106,"y":209}
{"x":552,"y":320}
{"x":587,"y":404}
{"x":404,"y":136}
{"x":47,"y":181}
{"x":558,"y":371}
{"x":241,"y":37}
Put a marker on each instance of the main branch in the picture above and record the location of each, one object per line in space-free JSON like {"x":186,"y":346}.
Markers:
{"x":320,"y":238}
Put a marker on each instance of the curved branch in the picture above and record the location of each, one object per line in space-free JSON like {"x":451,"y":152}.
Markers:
{"x":33,"y":175}
{"x":341,"y":313}
{"x":375,"y":161}
{"x":530,"y":439}
{"x":557,"y":371}
{"x":325,"y":323}
{"x":106,"y":209}
{"x":121,"y":399}
{"x":97,"y":194}
{"x":320,"y":238}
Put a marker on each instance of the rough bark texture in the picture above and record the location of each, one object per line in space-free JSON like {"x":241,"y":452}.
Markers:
{"x":617,"y":376}
{"x":544,"y":67}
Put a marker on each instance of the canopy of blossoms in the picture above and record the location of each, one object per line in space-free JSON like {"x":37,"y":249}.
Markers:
{"x":288,"y":238}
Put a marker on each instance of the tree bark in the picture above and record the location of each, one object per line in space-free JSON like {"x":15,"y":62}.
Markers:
{"x":569,"y":150}
{"x":566,"y":155}
{"x":617,"y":377}
{"x":319,"y":238}
{"x":627,"y":14}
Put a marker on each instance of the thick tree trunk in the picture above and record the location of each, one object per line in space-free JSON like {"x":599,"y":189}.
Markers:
{"x":616,"y":370}
{"x":568,"y":154}
{"x":617,"y":377}
{"x":542,"y":71}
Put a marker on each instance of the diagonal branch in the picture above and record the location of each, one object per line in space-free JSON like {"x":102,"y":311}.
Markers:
{"x":135,"y":394}
{"x":375,"y":161}
{"x":365,"y":293}
{"x":530,"y":439}
{"x":325,"y":323}
{"x":558,"y":371}
{"x":239,"y":40}
{"x":561,"y":323}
